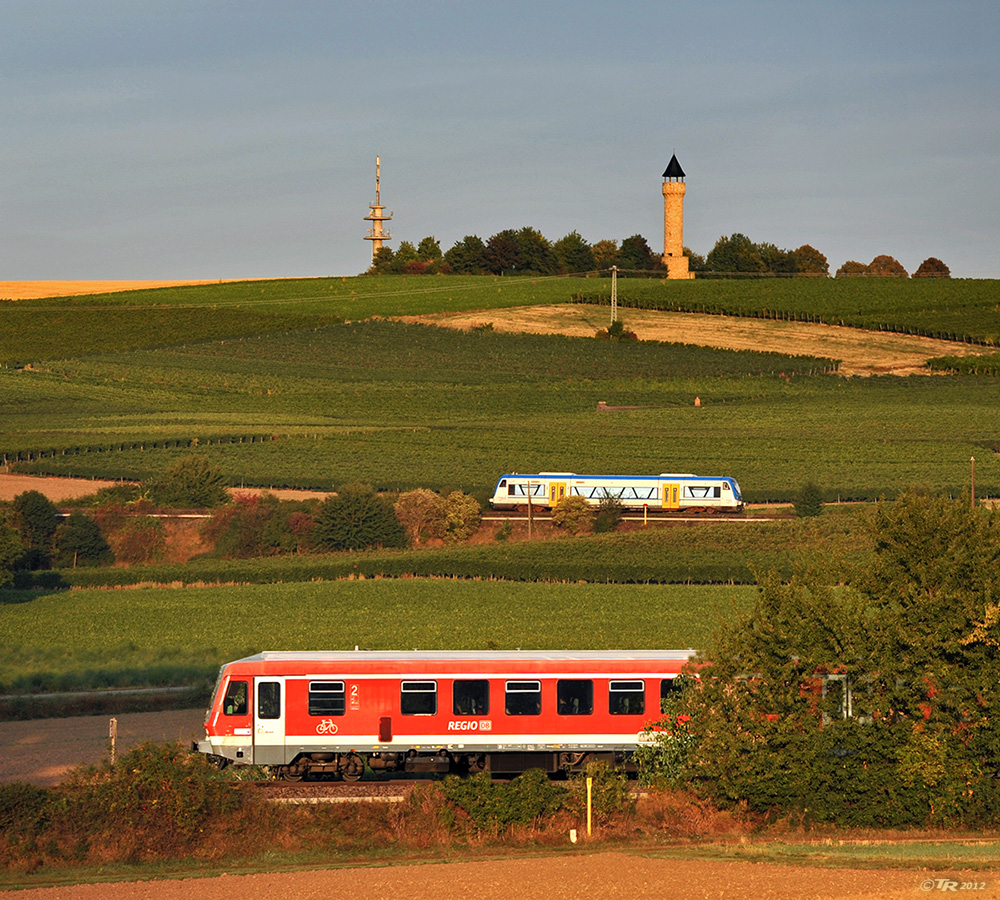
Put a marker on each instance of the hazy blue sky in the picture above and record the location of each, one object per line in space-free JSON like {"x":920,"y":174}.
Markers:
{"x":232,"y":138}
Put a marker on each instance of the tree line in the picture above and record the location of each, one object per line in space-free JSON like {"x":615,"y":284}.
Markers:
{"x":868,"y":704}
{"x":527,"y":251}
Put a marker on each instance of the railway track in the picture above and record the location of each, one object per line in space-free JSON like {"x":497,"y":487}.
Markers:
{"x":657,"y":517}
{"x":314,"y":793}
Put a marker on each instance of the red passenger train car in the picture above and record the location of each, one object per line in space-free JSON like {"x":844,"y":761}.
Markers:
{"x":335,"y":712}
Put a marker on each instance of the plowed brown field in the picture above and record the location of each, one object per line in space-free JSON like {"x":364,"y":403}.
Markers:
{"x":601,"y":876}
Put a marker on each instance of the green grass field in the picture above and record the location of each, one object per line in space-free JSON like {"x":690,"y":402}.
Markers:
{"x":96,"y":638}
{"x":291,"y":383}
{"x":403,"y":406}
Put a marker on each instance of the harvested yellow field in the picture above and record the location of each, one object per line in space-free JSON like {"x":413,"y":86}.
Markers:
{"x":33,"y":290}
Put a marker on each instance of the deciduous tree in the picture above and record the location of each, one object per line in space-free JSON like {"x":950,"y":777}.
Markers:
{"x":11,"y":550}
{"x":886,"y":267}
{"x":78,"y":542}
{"x":467,"y":256}
{"x":635,"y":253}
{"x":503,"y":252}
{"x":932,"y":267}
{"x":574,"y":254}
{"x":190,"y":481}
{"x":825,"y":699}
{"x":807,"y":260}
{"x":356,"y":518}
{"x":852,"y":269}
{"x":37,"y":518}
{"x":736,"y":253}
{"x":606,"y":254}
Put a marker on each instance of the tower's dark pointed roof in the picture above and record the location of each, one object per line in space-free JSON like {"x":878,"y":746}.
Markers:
{"x":674,"y":169}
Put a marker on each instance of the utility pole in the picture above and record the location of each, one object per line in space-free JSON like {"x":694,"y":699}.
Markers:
{"x":973,"y":459}
{"x":614,"y":294}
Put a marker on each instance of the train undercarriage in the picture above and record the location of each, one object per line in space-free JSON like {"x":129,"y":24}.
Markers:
{"x":351,"y":767}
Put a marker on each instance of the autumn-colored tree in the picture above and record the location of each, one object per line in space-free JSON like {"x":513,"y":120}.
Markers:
{"x":807,"y":260}
{"x":932,"y":267}
{"x":605,"y":253}
{"x":422,"y":513}
{"x":852,"y":269}
{"x":886,"y":267}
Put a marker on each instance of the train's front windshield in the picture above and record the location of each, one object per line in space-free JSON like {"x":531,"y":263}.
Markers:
{"x":215,"y":691}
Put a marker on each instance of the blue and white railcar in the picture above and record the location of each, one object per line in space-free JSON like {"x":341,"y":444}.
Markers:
{"x":635,"y":492}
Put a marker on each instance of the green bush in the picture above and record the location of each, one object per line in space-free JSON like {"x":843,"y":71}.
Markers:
{"x":462,"y":515}
{"x":357,"y":518}
{"x":574,"y":514}
{"x":809,"y":501}
{"x":23,"y":807}
{"x":79,"y":542}
{"x":609,"y":514}
{"x":37,"y":518}
{"x":666,"y":745}
{"x":252,"y":525}
{"x":494,"y":805}
{"x":191,"y":481}
{"x":142,"y":539}
{"x":610,"y":794}
{"x":157,"y":795}
{"x":11,"y":550}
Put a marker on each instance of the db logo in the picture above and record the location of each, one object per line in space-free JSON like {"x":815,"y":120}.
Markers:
{"x":471,"y":725}
{"x":327,"y":726}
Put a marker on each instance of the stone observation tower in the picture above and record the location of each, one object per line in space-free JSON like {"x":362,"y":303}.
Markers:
{"x":673,"y":221}
{"x":377,"y":216}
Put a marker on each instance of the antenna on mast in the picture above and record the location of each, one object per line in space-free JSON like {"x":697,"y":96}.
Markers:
{"x":376,"y":234}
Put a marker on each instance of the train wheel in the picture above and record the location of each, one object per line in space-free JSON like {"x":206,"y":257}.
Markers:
{"x":352,"y":767}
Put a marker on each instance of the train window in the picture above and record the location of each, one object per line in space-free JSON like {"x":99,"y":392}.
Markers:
{"x":523,"y":698}
{"x":574,"y":698}
{"x":326,"y":698}
{"x":626,"y":698}
{"x":418,"y":698}
{"x":268,"y":700}
{"x":471,"y":698}
{"x":235,"y":703}
{"x":725,"y":485}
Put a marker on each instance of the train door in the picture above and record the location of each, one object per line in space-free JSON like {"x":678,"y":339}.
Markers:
{"x":269,"y":721}
{"x":671,"y":496}
{"x":557,"y":490}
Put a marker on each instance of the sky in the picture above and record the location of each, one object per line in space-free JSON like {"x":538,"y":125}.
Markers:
{"x":168,"y":139}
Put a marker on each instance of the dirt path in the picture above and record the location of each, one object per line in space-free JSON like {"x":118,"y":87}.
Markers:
{"x":860,"y":352}
{"x":602,"y":876}
{"x":42,"y":751}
